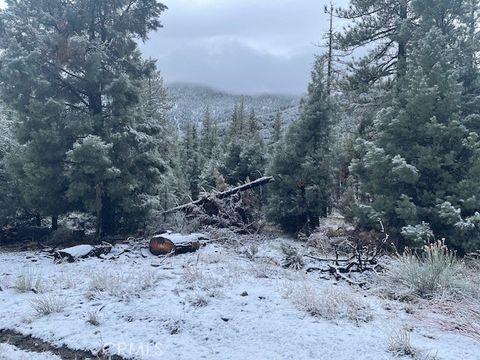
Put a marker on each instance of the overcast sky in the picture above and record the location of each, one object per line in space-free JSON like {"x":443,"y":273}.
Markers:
{"x":242,"y":46}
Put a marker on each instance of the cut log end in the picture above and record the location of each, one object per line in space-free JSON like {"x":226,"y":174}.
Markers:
{"x":162,"y":245}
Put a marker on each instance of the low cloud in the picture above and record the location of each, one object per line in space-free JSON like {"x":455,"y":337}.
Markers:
{"x":243,"y":46}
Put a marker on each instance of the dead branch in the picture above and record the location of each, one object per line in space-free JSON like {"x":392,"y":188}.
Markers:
{"x":221,"y":195}
{"x":338,"y":274}
{"x":361,"y":259}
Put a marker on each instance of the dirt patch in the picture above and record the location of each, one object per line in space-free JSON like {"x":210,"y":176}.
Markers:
{"x":30,"y":343}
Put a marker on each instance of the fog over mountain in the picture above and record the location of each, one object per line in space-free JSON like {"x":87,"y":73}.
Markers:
{"x":190,"y":102}
{"x":241,"y":46}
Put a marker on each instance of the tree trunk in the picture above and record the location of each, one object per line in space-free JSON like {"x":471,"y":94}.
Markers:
{"x":108,"y":216}
{"x":99,"y":208}
{"x":402,"y":42}
{"x":54,"y":223}
{"x":330,"y":53}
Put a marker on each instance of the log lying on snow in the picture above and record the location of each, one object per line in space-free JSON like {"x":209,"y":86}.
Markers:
{"x":74,"y":253}
{"x":221,"y":195}
{"x":175,"y":244}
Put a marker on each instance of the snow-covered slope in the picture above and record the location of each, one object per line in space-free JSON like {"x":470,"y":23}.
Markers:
{"x":212,"y":304}
{"x":191,"y":101}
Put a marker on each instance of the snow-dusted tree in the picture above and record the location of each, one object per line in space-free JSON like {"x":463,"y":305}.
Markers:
{"x":211,"y":150}
{"x":245,"y":156}
{"x":415,"y":170}
{"x":44,"y":133}
{"x":384,"y":26}
{"x":10,"y":199}
{"x":468,"y":58}
{"x":73,"y":73}
{"x":155,"y":105}
{"x":192,"y":159}
{"x":209,"y":135}
{"x":302,"y":191}
{"x":277,"y":128}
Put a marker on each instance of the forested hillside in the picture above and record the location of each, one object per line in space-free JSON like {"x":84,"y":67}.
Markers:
{"x":390,"y":135}
{"x":189,"y":103}
{"x":145,"y":220}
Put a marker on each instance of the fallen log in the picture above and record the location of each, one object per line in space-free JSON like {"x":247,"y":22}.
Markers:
{"x":221,"y":195}
{"x":74,"y":253}
{"x":175,"y":244}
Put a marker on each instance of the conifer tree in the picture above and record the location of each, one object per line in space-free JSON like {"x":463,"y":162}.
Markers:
{"x":155,"y":104}
{"x":386,"y":26}
{"x":245,"y":156}
{"x":277,"y":128}
{"x":212,"y":152}
{"x":10,"y":198}
{"x":73,"y":73}
{"x":192,"y":159}
{"x":301,"y":166}
{"x":209,"y":135}
{"x":413,"y":175}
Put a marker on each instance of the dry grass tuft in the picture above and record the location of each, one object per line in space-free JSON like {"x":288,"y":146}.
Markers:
{"x":48,"y":304}
{"x":399,"y":344}
{"x":330,"y":304}
{"x":122,"y":285}
{"x":436,"y":272}
{"x":29,"y":280}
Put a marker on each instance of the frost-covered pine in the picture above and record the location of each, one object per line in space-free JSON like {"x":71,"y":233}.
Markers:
{"x":385,"y":27}
{"x":10,"y":198}
{"x":76,"y":81}
{"x":245,"y":153}
{"x":301,"y":166}
{"x":422,"y":154}
{"x":192,"y":159}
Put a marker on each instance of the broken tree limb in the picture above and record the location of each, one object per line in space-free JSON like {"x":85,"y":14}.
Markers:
{"x":221,"y":195}
{"x":338,"y":274}
{"x":326,"y":259}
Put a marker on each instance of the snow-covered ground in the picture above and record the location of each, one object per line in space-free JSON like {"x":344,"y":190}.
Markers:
{"x":9,"y":352}
{"x":213,"y":304}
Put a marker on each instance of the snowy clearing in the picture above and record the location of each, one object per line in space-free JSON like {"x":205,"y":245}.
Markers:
{"x":9,"y":352}
{"x":213,"y":304}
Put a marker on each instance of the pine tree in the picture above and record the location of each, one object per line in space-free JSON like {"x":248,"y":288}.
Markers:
{"x":277,"y":128}
{"x":44,"y":133}
{"x":209,"y":135}
{"x":468,"y":59}
{"x":10,"y":198}
{"x":384,"y":26}
{"x":212,"y":152}
{"x":414,"y":173}
{"x":245,"y":154}
{"x":192,"y":159}
{"x":301,"y":166}
{"x":155,"y":105}
{"x":73,"y":72}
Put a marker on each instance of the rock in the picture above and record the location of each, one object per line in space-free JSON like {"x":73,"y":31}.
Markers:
{"x":74,"y":253}
{"x":244,"y":293}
